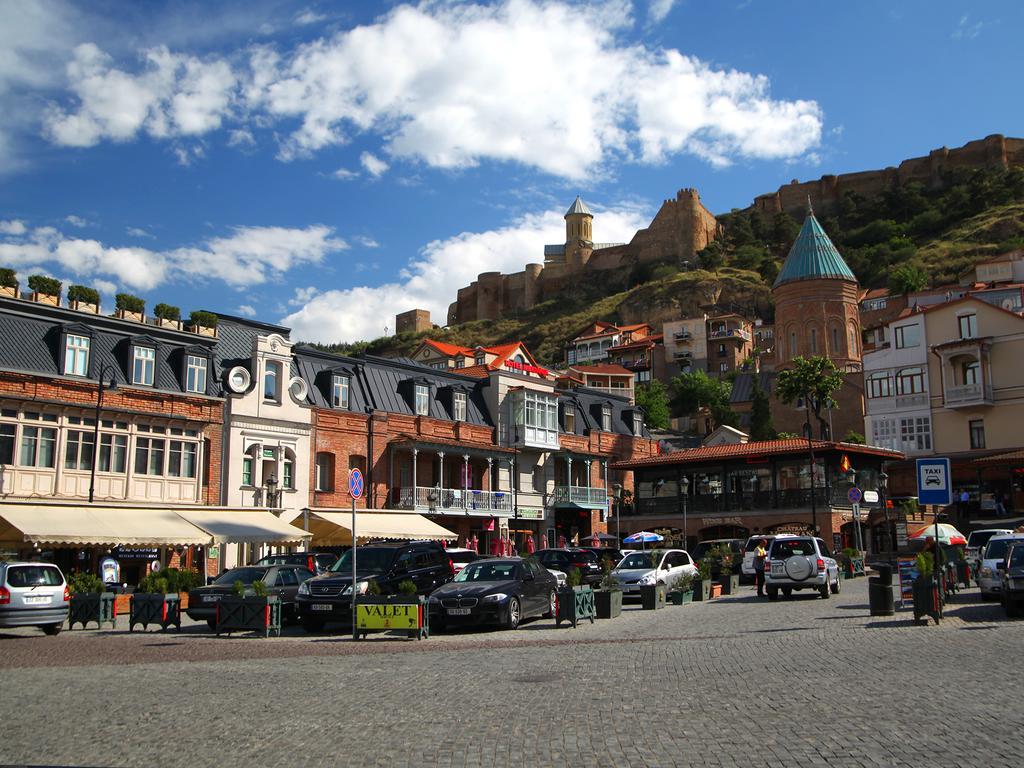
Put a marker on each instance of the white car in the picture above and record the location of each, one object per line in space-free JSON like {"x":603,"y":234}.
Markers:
{"x":989,"y":578}
{"x":461,"y":557}
{"x":800,"y":562}
{"x":33,"y":595}
{"x":748,"y":550}
{"x":976,"y":541}
{"x":637,"y":569}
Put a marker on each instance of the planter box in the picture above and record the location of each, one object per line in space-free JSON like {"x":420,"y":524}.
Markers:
{"x":716,"y":591}
{"x":853,"y":567}
{"x":45,"y":298}
{"x":84,"y":306}
{"x":8,"y":291}
{"x":702,"y":590}
{"x":652,"y":597}
{"x":249,"y":614}
{"x":926,"y":602}
{"x":124,"y":314}
{"x":202,"y":330}
{"x":608,"y":603}
{"x":147,"y":609}
{"x":681,"y":598}
{"x":159,"y":322}
{"x":388,"y":613}
{"x":92,"y":606}
{"x":575,"y":604}
{"x":731,"y":585}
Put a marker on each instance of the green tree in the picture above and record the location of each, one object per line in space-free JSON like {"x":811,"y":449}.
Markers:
{"x":712,"y":257}
{"x":693,"y":391}
{"x":761,"y":427}
{"x":854,"y":437}
{"x":907,"y":278}
{"x":653,"y":398}
{"x":813,"y":381}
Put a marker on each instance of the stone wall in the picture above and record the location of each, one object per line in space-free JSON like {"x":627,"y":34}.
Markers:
{"x":413,"y":321}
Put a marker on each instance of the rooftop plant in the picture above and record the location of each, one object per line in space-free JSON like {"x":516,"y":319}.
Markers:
{"x":126,"y":302}
{"x":84,"y":294}
{"x":203,"y":319}
{"x":8,"y":278}
{"x":167,"y":312}
{"x":46,"y":285}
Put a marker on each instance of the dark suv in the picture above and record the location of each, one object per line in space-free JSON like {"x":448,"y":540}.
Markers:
{"x":565,"y":558}
{"x":328,"y":598}
{"x":318,"y":562}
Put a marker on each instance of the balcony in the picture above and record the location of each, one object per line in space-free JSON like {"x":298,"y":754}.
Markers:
{"x":968,"y":395}
{"x":636,"y":365}
{"x":683,"y":355}
{"x":877,"y":405}
{"x":748,"y":501}
{"x":682,"y":335}
{"x":731,"y":333}
{"x":453,"y":501}
{"x":626,"y":392}
{"x":579,"y":496}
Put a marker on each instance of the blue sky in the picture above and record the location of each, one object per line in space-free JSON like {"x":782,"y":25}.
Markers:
{"x":327,"y":165}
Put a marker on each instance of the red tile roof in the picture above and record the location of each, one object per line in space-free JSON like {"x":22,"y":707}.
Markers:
{"x":604,"y":369}
{"x":1009,"y":457}
{"x":751,"y":450}
{"x":451,"y":350}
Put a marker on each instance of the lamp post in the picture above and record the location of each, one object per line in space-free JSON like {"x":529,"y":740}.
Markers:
{"x":810,"y":449}
{"x":883,"y":482}
{"x":617,"y":490}
{"x":271,"y":492}
{"x":857,"y":537}
{"x":96,"y":427}
{"x":684,"y":486}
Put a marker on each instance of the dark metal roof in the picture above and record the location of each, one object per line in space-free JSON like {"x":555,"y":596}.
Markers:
{"x":743,"y":386}
{"x":587,"y":403}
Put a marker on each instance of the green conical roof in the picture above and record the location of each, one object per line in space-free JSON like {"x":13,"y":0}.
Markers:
{"x":813,"y":257}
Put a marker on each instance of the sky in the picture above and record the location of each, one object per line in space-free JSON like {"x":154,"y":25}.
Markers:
{"x":326,"y":165}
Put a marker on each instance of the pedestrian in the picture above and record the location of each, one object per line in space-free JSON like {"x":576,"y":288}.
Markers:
{"x":965,"y":497}
{"x":1000,"y":507}
{"x":760,"y":556}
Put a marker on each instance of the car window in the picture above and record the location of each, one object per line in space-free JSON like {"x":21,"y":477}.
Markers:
{"x":34,"y":576}
{"x":824,"y":549}
{"x":246,"y":575}
{"x":302,"y":574}
{"x":996,"y":549}
{"x":462,"y":557}
{"x":784,"y":548}
{"x":636,"y":561}
{"x":325,"y":561}
{"x":979,"y":538}
{"x":533,"y":566}
{"x":368,"y":560}
{"x":488,"y":572}
{"x":1017,"y":556}
{"x":286,"y":578}
{"x":587,"y":555}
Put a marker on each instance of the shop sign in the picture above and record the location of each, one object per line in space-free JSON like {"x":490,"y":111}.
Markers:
{"x":213,"y":552}
{"x":517,"y":366}
{"x":529,"y":513}
{"x":136,"y":553}
{"x":393,"y":616}
{"x":268,"y":453}
{"x":797,"y":528}
{"x":110,"y":570}
{"x":706,"y":521}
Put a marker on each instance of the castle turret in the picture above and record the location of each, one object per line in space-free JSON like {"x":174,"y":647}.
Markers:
{"x":579,"y":237}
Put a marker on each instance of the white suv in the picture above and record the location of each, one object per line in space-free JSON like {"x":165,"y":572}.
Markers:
{"x":748,"y":550}
{"x":33,"y":595}
{"x":800,"y":562}
{"x":990,"y":580}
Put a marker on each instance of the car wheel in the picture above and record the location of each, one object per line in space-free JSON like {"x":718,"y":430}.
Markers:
{"x":211,"y":623}
{"x":837,"y":585}
{"x":52,"y":629}
{"x":552,"y":605}
{"x":787,"y":591}
{"x":312,"y":625}
{"x":773,"y":593}
{"x":513,"y":615}
{"x":825,"y":591}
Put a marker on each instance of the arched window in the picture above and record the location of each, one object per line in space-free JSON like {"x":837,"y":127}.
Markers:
{"x":837,"y":348}
{"x":853,"y":340}
{"x":324,"y":475}
{"x":288,"y":469}
{"x":814,"y":341}
{"x":910,"y":381}
{"x":971,"y":372}
{"x":794,"y":349}
{"x":271,"y":381}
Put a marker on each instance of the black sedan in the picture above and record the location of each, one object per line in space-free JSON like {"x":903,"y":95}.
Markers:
{"x":565,"y":558}
{"x":281,"y":580}
{"x":501,"y":591}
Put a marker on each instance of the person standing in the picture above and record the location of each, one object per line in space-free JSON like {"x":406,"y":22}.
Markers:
{"x":760,"y":556}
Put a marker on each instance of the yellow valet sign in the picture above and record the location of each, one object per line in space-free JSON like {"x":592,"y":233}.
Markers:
{"x":389,"y":616}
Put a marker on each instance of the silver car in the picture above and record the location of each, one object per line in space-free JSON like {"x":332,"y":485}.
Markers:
{"x":800,"y":562}
{"x":33,"y":595}
{"x":990,"y":581}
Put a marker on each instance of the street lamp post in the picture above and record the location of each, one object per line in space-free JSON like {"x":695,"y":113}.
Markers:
{"x":96,"y":427}
{"x":858,"y":538}
{"x":685,"y":487}
{"x":883,"y":482}
{"x":617,"y":490}
{"x":810,"y":449}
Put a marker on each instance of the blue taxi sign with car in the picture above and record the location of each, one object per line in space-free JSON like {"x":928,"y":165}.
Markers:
{"x":933,"y":482}
{"x":355,"y":483}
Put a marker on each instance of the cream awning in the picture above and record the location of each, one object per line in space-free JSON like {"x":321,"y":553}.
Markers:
{"x":242,"y":526}
{"x":330,"y":527}
{"x":86,"y":524}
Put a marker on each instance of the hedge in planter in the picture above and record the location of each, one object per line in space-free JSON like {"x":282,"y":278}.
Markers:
{"x":927,"y":595}
{"x":46,"y":286}
{"x":203,"y":322}
{"x":82,"y":294}
{"x":126,"y":303}
{"x":682,"y":589}
{"x":387,"y":613}
{"x":8,"y":278}
{"x":154,"y":603}
{"x":89,"y":602}
{"x":258,"y":612}
{"x":702,"y":588}
{"x":575,"y":601}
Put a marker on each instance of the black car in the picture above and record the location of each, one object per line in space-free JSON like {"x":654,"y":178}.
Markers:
{"x":318,"y":562}
{"x":735,"y":547}
{"x":564,"y":559}
{"x":328,"y":598}
{"x":281,"y":580}
{"x":602,"y":553}
{"x":500,"y":591}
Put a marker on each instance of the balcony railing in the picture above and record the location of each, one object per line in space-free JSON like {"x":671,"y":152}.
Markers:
{"x":581,"y":495}
{"x":620,"y":391}
{"x":796,"y":498}
{"x":967,"y":395}
{"x":898,"y":403}
{"x":683,"y":335}
{"x":452,"y":500}
{"x":735,"y":333}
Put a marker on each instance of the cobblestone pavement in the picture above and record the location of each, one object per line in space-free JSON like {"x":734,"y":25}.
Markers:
{"x":735,"y":682}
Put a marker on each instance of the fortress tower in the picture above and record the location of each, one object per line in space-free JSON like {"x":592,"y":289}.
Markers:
{"x":579,"y":237}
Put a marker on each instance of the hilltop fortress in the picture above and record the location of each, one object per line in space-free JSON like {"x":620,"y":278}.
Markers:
{"x":683,"y":227}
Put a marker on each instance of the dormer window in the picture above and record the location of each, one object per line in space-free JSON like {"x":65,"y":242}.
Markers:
{"x":606,"y":418}
{"x":459,"y":406}
{"x":422,"y":399}
{"x":569,"y":419}
{"x":76,"y":355}
{"x":480,"y":359}
{"x":339,"y":391}
{"x":195,"y":373}
{"x":143,"y":365}
{"x":638,"y":423}
{"x":460,"y":362}
{"x":272,"y":381}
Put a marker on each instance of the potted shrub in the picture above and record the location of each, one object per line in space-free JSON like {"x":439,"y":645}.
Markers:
{"x":89,"y":602}
{"x":84,"y":299}
{"x":721,"y":561}
{"x":406,"y":611}
{"x":702,"y":587}
{"x":608,"y":599}
{"x":45,"y":290}
{"x":167,"y":316}
{"x":203,"y":323}
{"x":249,"y":610}
{"x":927,"y":601}
{"x":129,"y":307}
{"x":682,"y":589}
{"x":156,"y":601}
{"x":8,"y":283}
{"x":575,"y":600}
{"x":852,"y":563}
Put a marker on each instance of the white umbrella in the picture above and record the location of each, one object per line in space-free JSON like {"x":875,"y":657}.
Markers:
{"x":948,"y":534}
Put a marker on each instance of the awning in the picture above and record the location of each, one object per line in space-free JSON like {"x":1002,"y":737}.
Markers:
{"x":84,"y":524}
{"x":242,"y":527}
{"x":330,"y":527}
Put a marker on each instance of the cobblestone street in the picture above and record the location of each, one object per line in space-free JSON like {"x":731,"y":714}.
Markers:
{"x":734,"y":682}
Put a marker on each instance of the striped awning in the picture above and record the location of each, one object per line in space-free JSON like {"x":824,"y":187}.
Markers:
{"x":333,"y":527}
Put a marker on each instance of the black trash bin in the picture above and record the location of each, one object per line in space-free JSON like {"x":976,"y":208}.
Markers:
{"x":884,"y":573}
{"x":881,"y":598}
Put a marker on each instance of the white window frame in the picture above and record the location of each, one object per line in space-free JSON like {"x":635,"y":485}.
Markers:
{"x":323,"y":476}
{"x":421,"y":399}
{"x":972,"y":325}
{"x":272,"y":370}
{"x":638,"y":423}
{"x":76,"y":355}
{"x":459,"y":406}
{"x":340,"y":384}
{"x":606,"y":418}
{"x":195,"y":374}
{"x":143,"y":365}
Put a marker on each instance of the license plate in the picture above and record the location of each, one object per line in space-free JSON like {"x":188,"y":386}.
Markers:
{"x":458,"y":611}
{"x":211,"y":598}
{"x":776,"y":567}
{"x":37,"y":600}
{"x":321,"y":607}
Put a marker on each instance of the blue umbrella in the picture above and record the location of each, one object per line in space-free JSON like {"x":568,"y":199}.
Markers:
{"x":643,"y":537}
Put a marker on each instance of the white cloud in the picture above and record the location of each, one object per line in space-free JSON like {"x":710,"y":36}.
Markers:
{"x":303,"y":296}
{"x":967,"y":29}
{"x":429,"y":281}
{"x":659,"y":9}
{"x":372,"y":164}
{"x":241,"y":137}
{"x":246,"y":310}
{"x":76,"y":221}
{"x":13,"y":227}
{"x":366,"y":242}
{"x":308,"y":17}
{"x":137,"y":232}
{"x":344,"y":174}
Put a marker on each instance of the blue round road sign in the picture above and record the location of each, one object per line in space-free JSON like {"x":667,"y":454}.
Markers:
{"x":355,"y":483}
{"x":854,"y":495}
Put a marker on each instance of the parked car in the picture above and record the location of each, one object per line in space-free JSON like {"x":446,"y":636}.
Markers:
{"x":989,"y":580}
{"x":281,"y":580}
{"x":500,"y":591}
{"x":33,"y":595}
{"x":462,"y":557}
{"x":976,"y":541}
{"x":1011,"y":571}
{"x":751,"y":545}
{"x":800,"y":562}
{"x":735,"y":546}
{"x":615,"y":555}
{"x":327,"y":599}
{"x":662,"y":566}
{"x":564,"y":558}
{"x":318,"y":562}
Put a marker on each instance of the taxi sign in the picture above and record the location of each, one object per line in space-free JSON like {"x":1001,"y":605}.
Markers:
{"x":933,"y":482}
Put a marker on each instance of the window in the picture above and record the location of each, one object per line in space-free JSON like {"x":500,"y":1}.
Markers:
{"x":142,"y":367}
{"x":271,"y":375}
{"x":459,"y":406}
{"x":638,"y":423}
{"x":814,"y":341}
{"x":480,"y":359}
{"x":907,"y":336}
{"x":288,"y":471}
{"x":853,"y":340}
{"x":7,"y":443}
{"x":247,"y":470}
{"x":721,"y":350}
{"x":78,"y":450}
{"x":792,"y":344}
{"x":909,"y":381}
{"x":38,"y":446}
{"x":323,"y":477}
{"x":971,"y":373}
{"x":538,"y":414}
{"x":916,"y":434}
{"x":195,"y":374}
{"x":149,"y":456}
{"x":76,"y":355}
{"x":113,"y":453}
{"x":606,"y":418}
{"x":181,"y":461}
{"x":977,"y":428}
{"x":642,"y":377}
{"x":339,"y":391}
{"x":569,"y":419}
{"x":723,"y":367}
{"x":460,"y":362}
{"x":879,"y":385}
{"x":422,"y":401}
{"x":883,"y":433}
{"x":968,"y":326}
